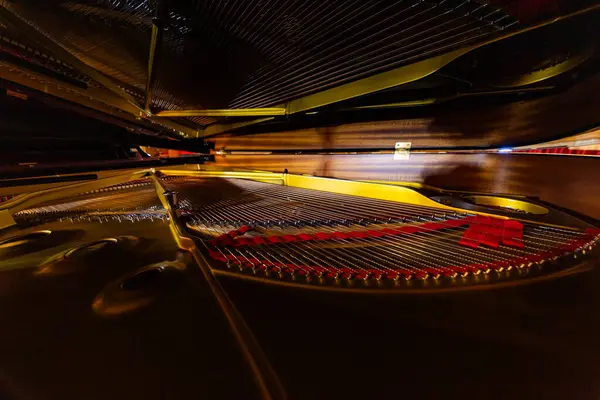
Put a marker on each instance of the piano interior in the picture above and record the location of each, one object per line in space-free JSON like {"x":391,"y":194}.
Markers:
{"x":291,"y":199}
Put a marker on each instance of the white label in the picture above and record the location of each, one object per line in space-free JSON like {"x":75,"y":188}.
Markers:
{"x":402,"y":151}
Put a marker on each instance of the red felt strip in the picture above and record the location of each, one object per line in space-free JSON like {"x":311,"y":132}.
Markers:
{"x":304,"y":236}
{"x":392,"y":275}
{"x":243,"y":229}
{"x":593,"y":231}
{"x":478,"y":228}
{"x":258,"y":240}
{"x":434,"y":226}
{"x":410,"y":229}
{"x":420,"y":274}
{"x":570,"y":246}
{"x":512,"y":233}
{"x":432,"y":271}
{"x":289,"y":238}
{"x":358,"y":234}
{"x":490,"y":240}
{"x":469,"y":243}
{"x":511,"y":224}
{"x":215,"y":255}
{"x":225,"y":240}
{"x":455,"y":222}
{"x":496,"y":231}
{"x":242,"y":242}
{"x":472,"y":234}
{"x":479,"y":219}
{"x":341,"y":235}
{"x":492,"y":231}
{"x":232,"y":238}
{"x":459,"y":269}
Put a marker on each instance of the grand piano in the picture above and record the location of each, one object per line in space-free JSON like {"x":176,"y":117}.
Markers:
{"x":286,"y":199}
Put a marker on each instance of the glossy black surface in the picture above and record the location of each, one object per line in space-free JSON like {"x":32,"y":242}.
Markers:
{"x":534,"y":341}
{"x":167,"y":340}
